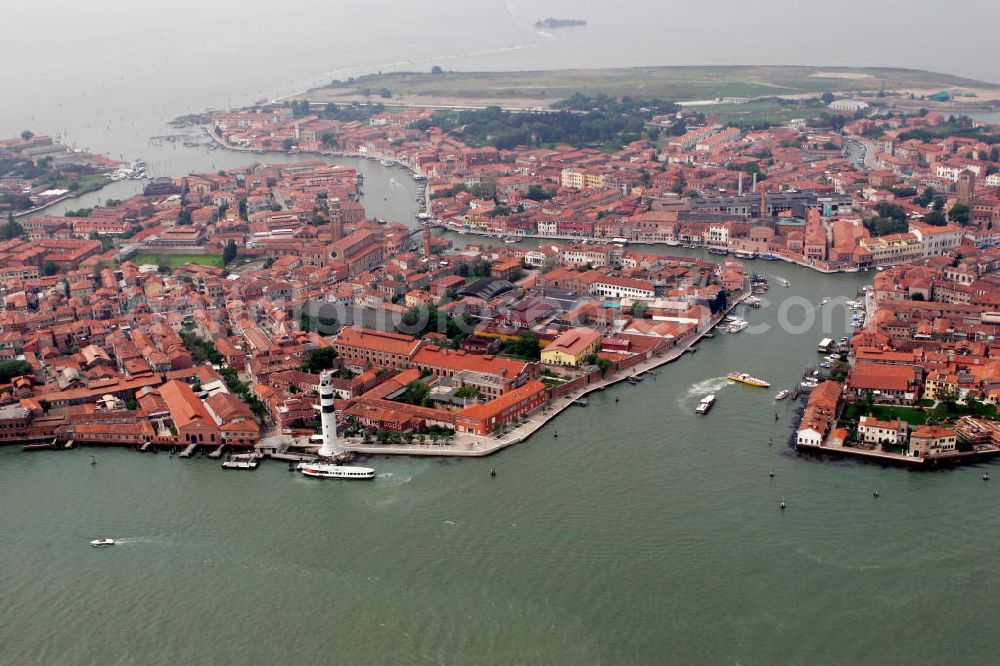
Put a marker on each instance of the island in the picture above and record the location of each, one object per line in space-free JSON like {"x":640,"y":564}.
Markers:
{"x":39,"y":171}
{"x":202,"y":313}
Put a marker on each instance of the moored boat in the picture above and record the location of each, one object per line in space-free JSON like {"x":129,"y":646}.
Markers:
{"x":744,"y":378}
{"x":782,"y":394}
{"x":241,"y":464}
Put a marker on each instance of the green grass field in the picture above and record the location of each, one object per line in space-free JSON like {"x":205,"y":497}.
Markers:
{"x":178,"y":260}
{"x":676,"y":83}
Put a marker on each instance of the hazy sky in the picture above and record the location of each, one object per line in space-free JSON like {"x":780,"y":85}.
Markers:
{"x":79,"y":67}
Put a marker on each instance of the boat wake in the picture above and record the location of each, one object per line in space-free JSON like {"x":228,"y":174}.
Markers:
{"x":819,"y":560}
{"x":390,"y":479}
{"x":705,"y":386}
{"x":140,"y":541}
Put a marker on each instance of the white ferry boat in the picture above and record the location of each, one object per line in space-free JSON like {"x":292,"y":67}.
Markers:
{"x":705,"y":404}
{"x":328,"y":471}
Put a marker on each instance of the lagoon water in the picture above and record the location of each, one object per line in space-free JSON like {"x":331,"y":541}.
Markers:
{"x":643,"y":534}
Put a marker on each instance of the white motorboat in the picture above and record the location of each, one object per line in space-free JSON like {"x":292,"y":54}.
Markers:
{"x":102,"y":543}
{"x":782,"y":394}
{"x":250,"y":463}
{"x":329,"y":471}
{"x":705,"y":404}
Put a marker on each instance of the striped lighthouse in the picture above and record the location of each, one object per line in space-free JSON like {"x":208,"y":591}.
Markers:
{"x":328,"y":416}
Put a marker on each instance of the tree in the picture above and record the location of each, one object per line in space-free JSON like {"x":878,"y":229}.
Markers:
{"x":604,"y":364}
{"x":201,"y":350}
{"x":880,"y":226}
{"x":891,"y":210}
{"x":27,"y":135}
{"x":229,"y":253}
{"x":288,"y":143}
{"x":948,"y":396}
{"x":468,"y":391}
{"x":417,"y":393}
{"x":319,"y":359}
{"x":436,"y":69}
{"x":826,"y":97}
{"x":926,"y":198}
{"x":539,"y":193}
{"x":49,"y":267}
{"x":184,"y":217}
{"x":959,"y":214}
{"x":11,"y":369}
{"x":11,"y":229}
{"x":935,"y":218}
{"x":525,"y":346}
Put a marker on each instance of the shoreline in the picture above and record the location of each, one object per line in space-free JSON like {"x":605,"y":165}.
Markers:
{"x":592,"y":239}
{"x":58,"y":200}
{"x":469,"y":446}
{"x":394,"y":162}
{"x":463,"y":445}
{"x":896,"y":459}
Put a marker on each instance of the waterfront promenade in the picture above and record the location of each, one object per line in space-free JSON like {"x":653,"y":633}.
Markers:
{"x":887,"y":457}
{"x":781,"y":258}
{"x":471,"y":446}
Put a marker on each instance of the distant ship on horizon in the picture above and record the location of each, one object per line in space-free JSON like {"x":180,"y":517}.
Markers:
{"x":558,"y":23}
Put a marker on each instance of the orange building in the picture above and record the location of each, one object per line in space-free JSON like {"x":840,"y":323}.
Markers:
{"x":190,"y":417}
{"x":365,"y":347}
{"x":483,"y":418}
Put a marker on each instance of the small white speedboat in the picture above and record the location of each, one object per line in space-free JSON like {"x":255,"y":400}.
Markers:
{"x":101,"y":543}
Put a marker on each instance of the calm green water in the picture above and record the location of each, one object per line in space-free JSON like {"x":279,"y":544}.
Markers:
{"x":641,"y":535}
